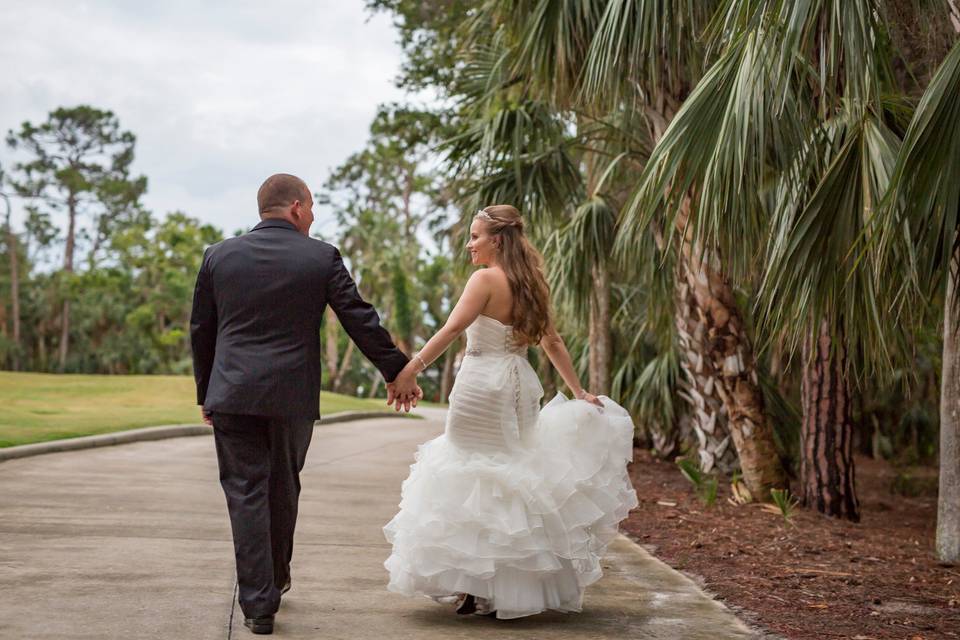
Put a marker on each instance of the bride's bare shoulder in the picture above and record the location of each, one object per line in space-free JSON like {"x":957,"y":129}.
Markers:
{"x":491,"y":276}
{"x":492,"y":279}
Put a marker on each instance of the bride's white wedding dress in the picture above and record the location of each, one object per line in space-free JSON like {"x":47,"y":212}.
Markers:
{"x":512,"y":503}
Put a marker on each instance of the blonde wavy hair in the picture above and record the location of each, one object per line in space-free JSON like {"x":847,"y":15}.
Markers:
{"x":523,"y":266}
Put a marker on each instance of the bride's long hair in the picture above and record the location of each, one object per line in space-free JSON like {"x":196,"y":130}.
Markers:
{"x":523,"y":265}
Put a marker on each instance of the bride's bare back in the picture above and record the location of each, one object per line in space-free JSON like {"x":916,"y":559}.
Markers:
{"x":499,"y":305}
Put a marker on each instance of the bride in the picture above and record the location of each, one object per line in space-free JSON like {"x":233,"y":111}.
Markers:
{"x":509,"y":511}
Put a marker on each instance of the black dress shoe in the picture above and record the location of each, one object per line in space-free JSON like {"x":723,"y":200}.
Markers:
{"x":262,"y":625}
{"x":468,"y":606}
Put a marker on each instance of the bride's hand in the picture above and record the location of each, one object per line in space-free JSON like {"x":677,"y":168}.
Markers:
{"x":404,"y":392}
{"x":589,"y":397}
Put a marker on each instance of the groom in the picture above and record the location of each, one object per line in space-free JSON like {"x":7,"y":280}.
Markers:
{"x":255,"y":333}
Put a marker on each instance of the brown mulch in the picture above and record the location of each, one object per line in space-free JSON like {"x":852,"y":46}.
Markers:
{"x":816,"y":577}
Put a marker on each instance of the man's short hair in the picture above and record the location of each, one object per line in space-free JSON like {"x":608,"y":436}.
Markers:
{"x":279,"y":191}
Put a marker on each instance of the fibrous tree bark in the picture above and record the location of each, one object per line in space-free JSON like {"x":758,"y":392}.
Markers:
{"x":826,"y":453}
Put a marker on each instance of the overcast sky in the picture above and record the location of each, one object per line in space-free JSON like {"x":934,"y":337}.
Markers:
{"x":219,"y":94}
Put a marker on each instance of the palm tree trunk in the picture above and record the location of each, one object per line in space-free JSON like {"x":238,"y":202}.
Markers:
{"x":601,"y":345}
{"x":726,"y":359}
{"x":948,"y":498}
{"x":722,"y":372}
{"x":826,"y":452}
{"x":709,"y":416}
{"x":717,"y":357}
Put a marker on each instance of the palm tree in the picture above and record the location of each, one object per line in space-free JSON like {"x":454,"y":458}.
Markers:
{"x":524,"y":151}
{"x":788,"y":143}
{"x":639,"y":60}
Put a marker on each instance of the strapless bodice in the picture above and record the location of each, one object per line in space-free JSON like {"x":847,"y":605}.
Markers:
{"x":489,"y":337}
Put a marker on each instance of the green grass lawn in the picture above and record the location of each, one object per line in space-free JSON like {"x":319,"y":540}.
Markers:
{"x":35,"y":407}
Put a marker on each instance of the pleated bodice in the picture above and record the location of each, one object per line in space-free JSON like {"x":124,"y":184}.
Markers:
{"x":489,"y":337}
{"x":496,"y":397}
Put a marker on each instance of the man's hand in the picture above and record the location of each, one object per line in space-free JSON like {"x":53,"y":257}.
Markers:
{"x":409,"y":400}
{"x":404,"y":392}
{"x":207,"y":420}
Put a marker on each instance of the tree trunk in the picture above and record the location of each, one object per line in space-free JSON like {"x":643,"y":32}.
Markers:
{"x":717,"y":357}
{"x":600,"y":350}
{"x":12,"y":250}
{"x":68,"y":269}
{"x":375,"y":385}
{"x":722,"y":370}
{"x":826,"y":452}
{"x":948,"y":499}
{"x":709,"y":416}
{"x":601,"y":345}
{"x":41,"y":349}
{"x":330,"y":344}
{"x":15,"y":310}
{"x":344,"y":367}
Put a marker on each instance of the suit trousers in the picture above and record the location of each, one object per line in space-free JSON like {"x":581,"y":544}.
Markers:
{"x":260,"y":459}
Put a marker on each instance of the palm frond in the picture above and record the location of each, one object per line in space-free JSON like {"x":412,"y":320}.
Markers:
{"x":719,"y":146}
{"x":584,"y":243}
{"x":813,"y":269}
{"x":922,"y":213}
{"x":645,"y":47}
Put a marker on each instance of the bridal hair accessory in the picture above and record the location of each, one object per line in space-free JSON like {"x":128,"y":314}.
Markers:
{"x":483,"y":215}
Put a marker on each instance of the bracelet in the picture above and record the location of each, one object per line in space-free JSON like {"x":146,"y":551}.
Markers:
{"x":423,"y":365}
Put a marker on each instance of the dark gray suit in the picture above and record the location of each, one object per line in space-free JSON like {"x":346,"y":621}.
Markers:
{"x":255,"y":333}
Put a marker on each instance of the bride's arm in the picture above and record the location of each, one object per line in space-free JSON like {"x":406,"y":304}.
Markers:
{"x":475,"y":296}
{"x":556,"y":350}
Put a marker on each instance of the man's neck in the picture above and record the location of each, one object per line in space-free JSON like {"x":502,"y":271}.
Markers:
{"x":289,"y":219}
{"x":285,"y":218}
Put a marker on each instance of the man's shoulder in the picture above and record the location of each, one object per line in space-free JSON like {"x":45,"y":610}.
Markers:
{"x":214,"y":248}
{"x":322,"y":247}
{"x":325,"y":246}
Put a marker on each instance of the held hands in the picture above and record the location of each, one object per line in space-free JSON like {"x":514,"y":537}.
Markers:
{"x":207,"y":420}
{"x":404,"y":392}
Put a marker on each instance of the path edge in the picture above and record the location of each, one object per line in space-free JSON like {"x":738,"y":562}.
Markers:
{"x":161,"y":432}
{"x":750,"y":628}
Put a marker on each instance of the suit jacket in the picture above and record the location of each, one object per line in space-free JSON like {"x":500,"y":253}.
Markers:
{"x":255,"y":324}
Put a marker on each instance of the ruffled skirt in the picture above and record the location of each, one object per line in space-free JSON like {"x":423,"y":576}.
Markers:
{"x":524,"y":528}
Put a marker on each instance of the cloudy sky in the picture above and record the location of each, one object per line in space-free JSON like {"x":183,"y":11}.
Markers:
{"x":219,"y":94}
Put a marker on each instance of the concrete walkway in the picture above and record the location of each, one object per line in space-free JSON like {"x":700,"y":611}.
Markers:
{"x":132,"y":541}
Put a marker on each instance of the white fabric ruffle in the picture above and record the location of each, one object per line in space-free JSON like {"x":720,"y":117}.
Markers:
{"x":524,"y":526}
